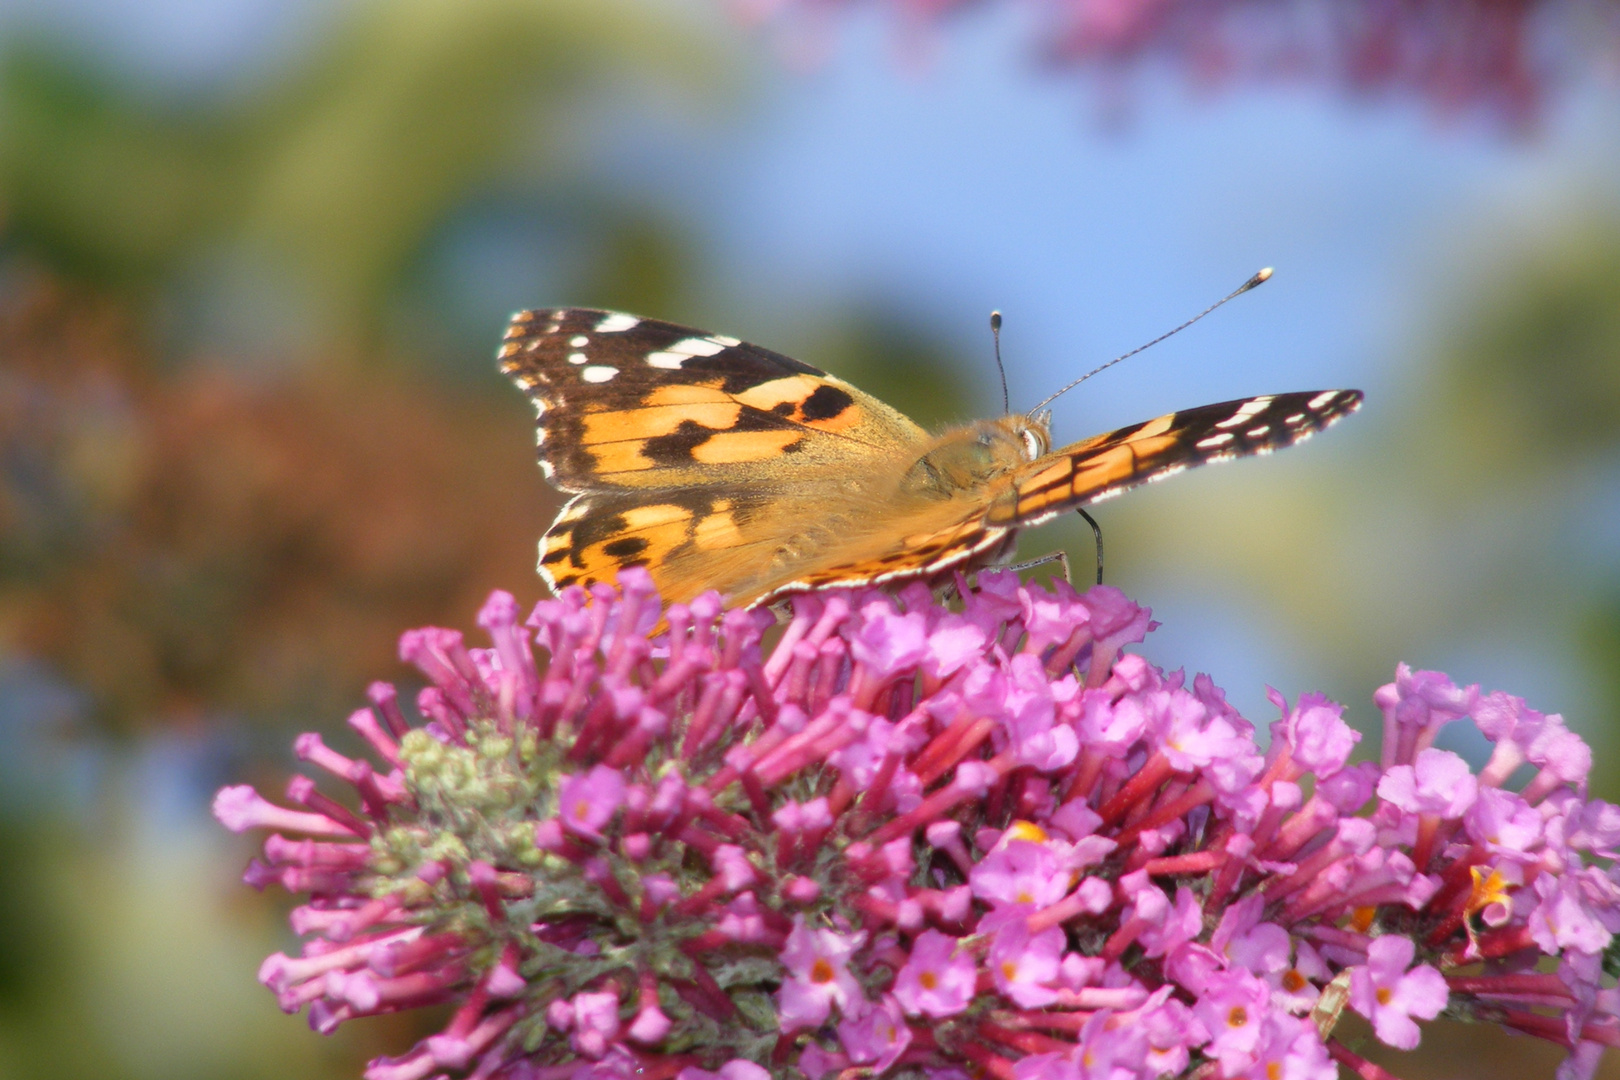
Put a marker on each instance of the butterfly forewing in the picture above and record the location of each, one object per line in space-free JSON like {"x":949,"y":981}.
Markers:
{"x":1106,"y":465}
{"x":636,"y":403}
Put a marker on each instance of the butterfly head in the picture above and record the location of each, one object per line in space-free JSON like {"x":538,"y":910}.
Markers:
{"x":971,"y":456}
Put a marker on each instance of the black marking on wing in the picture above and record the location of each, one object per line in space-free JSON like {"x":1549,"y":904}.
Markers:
{"x":826,"y":403}
{"x":677,"y":446}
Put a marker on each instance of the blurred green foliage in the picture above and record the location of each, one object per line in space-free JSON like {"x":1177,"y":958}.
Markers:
{"x":336,"y":172}
{"x":1530,"y":365}
{"x":99,"y":184}
{"x":1529,"y":422}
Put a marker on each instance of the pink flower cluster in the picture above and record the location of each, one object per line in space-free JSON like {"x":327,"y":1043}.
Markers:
{"x":909,"y":840}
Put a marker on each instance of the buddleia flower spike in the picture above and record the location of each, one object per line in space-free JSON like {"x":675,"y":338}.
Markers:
{"x":903,"y":840}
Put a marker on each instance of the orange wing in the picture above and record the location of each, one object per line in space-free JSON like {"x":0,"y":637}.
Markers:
{"x":637,"y":403}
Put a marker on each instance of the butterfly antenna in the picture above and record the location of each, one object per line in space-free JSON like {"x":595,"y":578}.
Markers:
{"x":995,"y":335}
{"x":1258,"y":279}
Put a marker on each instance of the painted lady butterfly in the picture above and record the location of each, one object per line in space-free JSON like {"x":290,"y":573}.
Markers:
{"x":720,"y":465}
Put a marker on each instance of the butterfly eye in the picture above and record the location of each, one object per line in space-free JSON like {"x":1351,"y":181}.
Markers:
{"x":1033,"y":446}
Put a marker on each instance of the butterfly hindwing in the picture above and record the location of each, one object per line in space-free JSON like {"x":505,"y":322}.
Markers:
{"x":683,"y":536}
{"x":637,"y":403}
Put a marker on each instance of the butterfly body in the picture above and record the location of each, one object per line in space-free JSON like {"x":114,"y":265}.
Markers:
{"x":721,"y":465}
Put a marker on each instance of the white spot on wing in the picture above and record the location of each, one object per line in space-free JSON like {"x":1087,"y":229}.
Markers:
{"x":1253,"y":407}
{"x":1320,"y":400}
{"x":1255,"y":433}
{"x":1112,"y":493}
{"x":579,"y":341}
{"x":1295,"y":420}
{"x":677,"y":354}
{"x":598,"y":373}
{"x":1163,"y":474}
{"x":577,"y":358}
{"x":617,"y":322}
{"x":721,"y":339}
{"x":1215,"y":440}
{"x":693,"y":346}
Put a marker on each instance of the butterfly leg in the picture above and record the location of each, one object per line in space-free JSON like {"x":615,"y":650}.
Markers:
{"x":1096,"y":530}
{"x":954,"y":588}
{"x":1062,"y":557}
{"x":1059,"y":557}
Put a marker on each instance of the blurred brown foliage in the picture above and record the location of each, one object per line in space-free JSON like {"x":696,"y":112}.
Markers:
{"x":194,"y":538}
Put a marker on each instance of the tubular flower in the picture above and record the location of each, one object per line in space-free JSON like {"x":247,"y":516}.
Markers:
{"x":923,"y":842}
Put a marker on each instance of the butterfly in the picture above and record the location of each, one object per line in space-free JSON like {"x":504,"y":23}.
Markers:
{"x":720,"y":465}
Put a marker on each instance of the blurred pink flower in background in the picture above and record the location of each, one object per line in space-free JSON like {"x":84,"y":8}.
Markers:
{"x":1500,"y":57}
